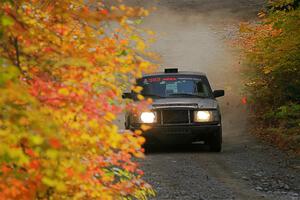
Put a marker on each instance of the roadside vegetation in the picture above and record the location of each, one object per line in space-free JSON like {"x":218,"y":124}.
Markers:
{"x":64,"y":65}
{"x":272,"y":57}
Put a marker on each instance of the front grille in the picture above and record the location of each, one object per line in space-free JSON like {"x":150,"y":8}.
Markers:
{"x":175,"y":116}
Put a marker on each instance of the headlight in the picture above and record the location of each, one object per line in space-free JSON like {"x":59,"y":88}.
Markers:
{"x":206,"y":116}
{"x":148,"y":117}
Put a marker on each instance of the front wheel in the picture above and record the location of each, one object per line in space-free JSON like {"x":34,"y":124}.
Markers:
{"x":215,"y":142}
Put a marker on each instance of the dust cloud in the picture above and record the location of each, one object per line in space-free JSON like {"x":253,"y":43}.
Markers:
{"x":193,"y":35}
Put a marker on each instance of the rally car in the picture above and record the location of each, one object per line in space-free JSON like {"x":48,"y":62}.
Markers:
{"x":184,"y":109}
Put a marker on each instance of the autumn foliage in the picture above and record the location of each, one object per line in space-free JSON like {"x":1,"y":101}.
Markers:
{"x":64,"y":66}
{"x":272,"y":55}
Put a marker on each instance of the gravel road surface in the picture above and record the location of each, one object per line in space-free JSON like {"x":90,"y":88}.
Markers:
{"x":193,"y":35}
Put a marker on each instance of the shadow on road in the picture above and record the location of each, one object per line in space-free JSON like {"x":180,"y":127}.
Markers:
{"x":189,"y":148}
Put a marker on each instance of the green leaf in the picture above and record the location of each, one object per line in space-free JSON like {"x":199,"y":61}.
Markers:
{"x":51,"y":153}
{"x":138,"y":21}
{"x":123,"y":53}
{"x":77,"y":62}
{"x":7,"y":73}
{"x":7,"y":21}
{"x":36,"y":139}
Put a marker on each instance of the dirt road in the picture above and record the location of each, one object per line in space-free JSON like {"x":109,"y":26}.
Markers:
{"x":193,"y":35}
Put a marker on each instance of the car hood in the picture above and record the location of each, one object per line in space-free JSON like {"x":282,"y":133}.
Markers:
{"x":201,"y":103}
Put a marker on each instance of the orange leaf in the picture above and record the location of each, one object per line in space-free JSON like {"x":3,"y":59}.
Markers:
{"x":104,"y":12}
{"x":244,"y":100}
{"x":55,"y":143}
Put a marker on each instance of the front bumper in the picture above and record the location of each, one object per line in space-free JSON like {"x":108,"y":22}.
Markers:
{"x":181,"y":133}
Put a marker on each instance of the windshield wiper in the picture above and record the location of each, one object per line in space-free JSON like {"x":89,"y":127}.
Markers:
{"x":187,"y":94}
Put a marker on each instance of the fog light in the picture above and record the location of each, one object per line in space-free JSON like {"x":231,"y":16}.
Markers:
{"x":203,"y":116}
{"x":148,"y":117}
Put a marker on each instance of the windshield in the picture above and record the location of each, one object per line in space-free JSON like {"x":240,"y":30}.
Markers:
{"x":174,"y":86}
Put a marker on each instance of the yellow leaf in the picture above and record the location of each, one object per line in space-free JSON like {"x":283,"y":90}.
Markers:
{"x":141,"y":140}
{"x":49,"y":182}
{"x":51,"y":153}
{"x":137,"y":89}
{"x":150,"y":32}
{"x":60,"y":186}
{"x":85,"y":136}
{"x":109,"y":117}
{"x":93,"y":123}
{"x":122,"y":7}
{"x":64,"y":91}
{"x":144,"y":65}
{"x":261,"y":14}
{"x":145,"y":127}
{"x":140,"y":45}
{"x":138,"y":132}
{"x":140,"y":97}
{"x":36,"y":139}
{"x":267,"y":70}
{"x":146,"y":12}
{"x":149,"y":100}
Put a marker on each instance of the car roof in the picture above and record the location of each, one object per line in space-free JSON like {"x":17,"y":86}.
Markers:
{"x":175,"y":73}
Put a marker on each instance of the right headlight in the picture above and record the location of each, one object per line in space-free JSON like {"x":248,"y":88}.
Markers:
{"x":206,"y":116}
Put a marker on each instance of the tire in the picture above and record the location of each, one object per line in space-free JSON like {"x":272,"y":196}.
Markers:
{"x":215,"y":142}
{"x":146,"y":148}
{"x":127,"y":123}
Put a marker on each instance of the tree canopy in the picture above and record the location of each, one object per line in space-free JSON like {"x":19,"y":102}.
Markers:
{"x":272,"y":50}
{"x":64,"y":66}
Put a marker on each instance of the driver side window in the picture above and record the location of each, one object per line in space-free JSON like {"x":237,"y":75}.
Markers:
{"x":201,"y":88}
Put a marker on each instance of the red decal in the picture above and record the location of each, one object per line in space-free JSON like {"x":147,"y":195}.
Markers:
{"x":169,"y":79}
{"x":151,"y":80}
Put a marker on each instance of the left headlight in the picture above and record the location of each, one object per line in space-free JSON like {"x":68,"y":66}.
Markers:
{"x":206,"y":116}
{"x":148,"y":117}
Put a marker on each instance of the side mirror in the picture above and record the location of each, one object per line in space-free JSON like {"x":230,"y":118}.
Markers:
{"x":218,"y":93}
{"x":127,"y":95}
